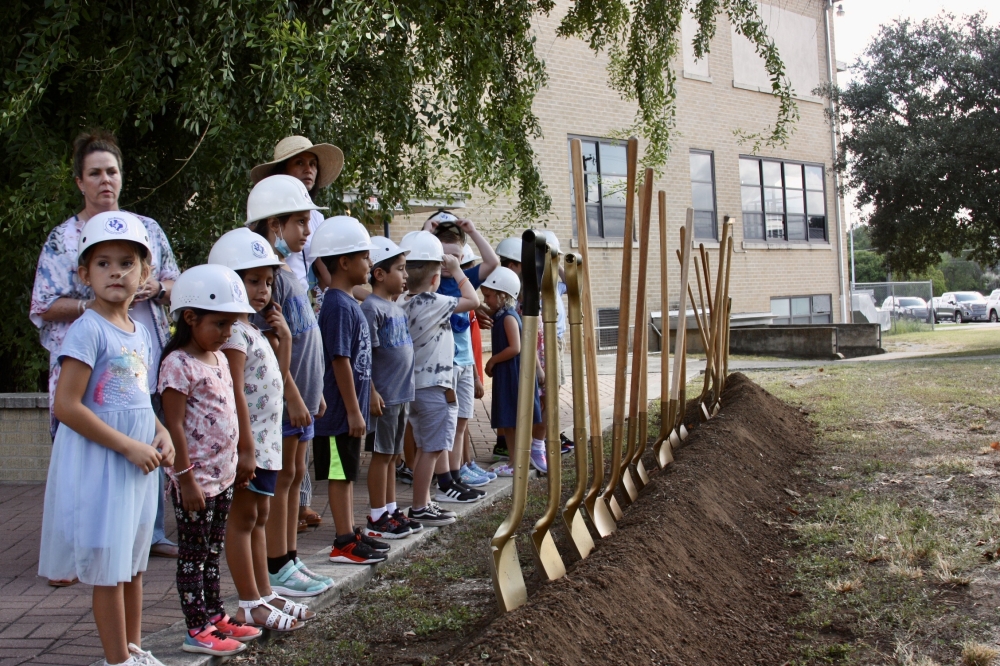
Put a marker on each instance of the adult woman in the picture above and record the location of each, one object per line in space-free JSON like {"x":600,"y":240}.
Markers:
{"x":59,"y":297}
{"x":316,"y":165}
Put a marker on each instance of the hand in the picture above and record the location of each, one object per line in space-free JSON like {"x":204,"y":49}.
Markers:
{"x":246,"y":465}
{"x":479,"y":391}
{"x":484,"y":317}
{"x":143,"y":456}
{"x":322,"y":407}
{"x":149,"y":289}
{"x":298,"y":413}
{"x":165,"y":445}
{"x":540,"y":373}
{"x":466,"y":225}
{"x":489,"y":367}
{"x":277,"y":322}
{"x":192,"y":496}
{"x":377,"y":405}
{"x":356,"y":425}
{"x":450,"y":262}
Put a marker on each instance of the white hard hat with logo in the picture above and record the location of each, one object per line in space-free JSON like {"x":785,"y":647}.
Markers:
{"x":278,"y":195}
{"x":422,"y":246}
{"x":209,"y":287}
{"x":338,"y":235}
{"x":384,"y":249}
{"x":113,"y":225}
{"x":505,"y":280}
{"x":242,"y":249}
{"x":510,"y":248}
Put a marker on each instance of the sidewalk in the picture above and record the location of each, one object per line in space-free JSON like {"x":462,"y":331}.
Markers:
{"x":45,"y":625}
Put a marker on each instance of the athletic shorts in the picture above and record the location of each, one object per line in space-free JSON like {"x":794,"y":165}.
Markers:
{"x":337,"y":458}
{"x":433,"y":419}
{"x":305,"y":434}
{"x":386,"y":436}
{"x":463,"y":377}
{"x":264,"y":481}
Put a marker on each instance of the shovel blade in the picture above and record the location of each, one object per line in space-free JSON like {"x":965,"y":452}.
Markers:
{"x":705,"y":413}
{"x":547,"y":559}
{"x":629,"y":484}
{"x":601,"y":517}
{"x":642,"y":477}
{"x":508,"y":581}
{"x":715,"y":409}
{"x":675,"y":439}
{"x":578,"y":533}
{"x":616,"y":510}
{"x":664,"y":452}
{"x":683,"y":432}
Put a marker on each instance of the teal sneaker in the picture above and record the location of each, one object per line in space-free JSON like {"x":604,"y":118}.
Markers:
{"x":290,"y":582}
{"x":305,"y":571}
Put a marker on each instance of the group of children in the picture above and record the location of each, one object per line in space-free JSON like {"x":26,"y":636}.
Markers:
{"x":250,"y":370}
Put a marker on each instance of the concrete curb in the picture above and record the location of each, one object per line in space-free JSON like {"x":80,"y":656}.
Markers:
{"x":166,"y":644}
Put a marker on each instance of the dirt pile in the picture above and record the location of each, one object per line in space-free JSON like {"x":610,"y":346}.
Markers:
{"x":693,"y":575}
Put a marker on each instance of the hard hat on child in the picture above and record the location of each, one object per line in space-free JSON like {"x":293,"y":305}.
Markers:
{"x":510,"y":248}
{"x":505,"y":280}
{"x":338,"y":235}
{"x":278,"y":195}
{"x":384,"y":249}
{"x":422,"y":246}
{"x":209,"y":287}
{"x":113,"y":225}
{"x":242,"y":249}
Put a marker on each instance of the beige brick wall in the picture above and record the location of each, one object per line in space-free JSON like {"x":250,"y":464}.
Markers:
{"x":577,"y":101}
{"x":25,"y":444}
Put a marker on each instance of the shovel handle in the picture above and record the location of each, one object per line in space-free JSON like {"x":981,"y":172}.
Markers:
{"x":532,"y":257}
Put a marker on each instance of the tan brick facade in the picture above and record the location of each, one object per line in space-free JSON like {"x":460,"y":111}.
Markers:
{"x":25,"y":442}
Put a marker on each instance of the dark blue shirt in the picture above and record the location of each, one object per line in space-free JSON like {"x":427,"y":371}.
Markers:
{"x":345,"y":333}
{"x":460,"y":322}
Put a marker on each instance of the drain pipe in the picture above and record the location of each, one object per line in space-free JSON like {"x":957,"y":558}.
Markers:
{"x":836,"y":179}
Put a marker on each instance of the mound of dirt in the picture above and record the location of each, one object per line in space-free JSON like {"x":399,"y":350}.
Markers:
{"x":693,"y":575}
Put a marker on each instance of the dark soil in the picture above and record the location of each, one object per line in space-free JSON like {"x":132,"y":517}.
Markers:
{"x":694,"y":574}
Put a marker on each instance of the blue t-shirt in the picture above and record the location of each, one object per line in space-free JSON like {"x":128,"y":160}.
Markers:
{"x":345,"y":333}
{"x":392,"y":350}
{"x":460,"y":322}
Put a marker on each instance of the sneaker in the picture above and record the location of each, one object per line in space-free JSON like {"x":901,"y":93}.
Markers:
{"x":474,"y":466}
{"x":308,"y":573}
{"x":462,"y":486}
{"x":456,"y":494}
{"x":471,"y":478}
{"x":374,"y":544}
{"x":387,"y":527}
{"x":442,"y":510}
{"x":404,"y":474}
{"x":566,"y":442}
{"x":402,"y":519}
{"x":131,"y":661}
{"x":141,"y":657}
{"x":500,"y":450}
{"x":356,"y":552}
{"x":565,"y":448}
{"x":430,"y":516}
{"x":503,"y":470}
{"x":212,"y":641}
{"x":538,"y":461}
{"x":238,"y":631}
{"x":290,"y":582}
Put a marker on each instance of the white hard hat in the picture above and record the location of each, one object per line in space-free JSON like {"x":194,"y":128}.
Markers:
{"x":551,"y":239}
{"x":468,"y":255}
{"x":505,"y":280}
{"x":209,"y":287}
{"x":510,"y":248}
{"x":340,"y":234}
{"x":113,"y":225}
{"x":384,"y":249}
{"x":278,"y":195}
{"x":242,"y":249}
{"x":422,"y":246}
{"x":443,"y":216}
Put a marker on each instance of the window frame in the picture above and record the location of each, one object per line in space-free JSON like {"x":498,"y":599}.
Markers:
{"x":715,"y":198}
{"x":754,"y":235}
{"x":600,"y":203}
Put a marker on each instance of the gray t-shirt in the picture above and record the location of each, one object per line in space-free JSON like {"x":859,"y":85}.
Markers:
{"x":429,"y":317}
{"x":392,"y":350}
{"x":307,"y":345}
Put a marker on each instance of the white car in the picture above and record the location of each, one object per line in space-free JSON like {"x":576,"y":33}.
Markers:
{"x":993,"y":305}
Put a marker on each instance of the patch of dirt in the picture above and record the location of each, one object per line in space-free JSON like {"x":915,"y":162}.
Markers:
{"x":694,"y":574}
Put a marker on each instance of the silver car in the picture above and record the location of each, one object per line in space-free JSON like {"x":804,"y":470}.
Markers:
{"x":961,"y":306}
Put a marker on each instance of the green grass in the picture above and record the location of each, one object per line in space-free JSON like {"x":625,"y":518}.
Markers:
{"x":966,"y":339}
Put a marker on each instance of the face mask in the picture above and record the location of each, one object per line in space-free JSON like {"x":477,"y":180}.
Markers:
{"x":281,"y":247}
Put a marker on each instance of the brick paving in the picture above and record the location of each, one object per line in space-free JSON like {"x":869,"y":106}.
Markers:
{"x":40,"y":624}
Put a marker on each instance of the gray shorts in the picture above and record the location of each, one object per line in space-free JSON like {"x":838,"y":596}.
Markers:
{"x":464,"y":381}
{"x":433,"y":419}
{"x":386,"y":436}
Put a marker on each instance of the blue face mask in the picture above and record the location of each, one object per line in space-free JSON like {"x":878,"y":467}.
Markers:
{"x":281,"y":247}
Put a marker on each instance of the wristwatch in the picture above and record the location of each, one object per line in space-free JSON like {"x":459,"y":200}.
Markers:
{"x":161,"y":294}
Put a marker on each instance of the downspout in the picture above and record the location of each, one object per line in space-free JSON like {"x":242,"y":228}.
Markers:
{"x":836,"y":177}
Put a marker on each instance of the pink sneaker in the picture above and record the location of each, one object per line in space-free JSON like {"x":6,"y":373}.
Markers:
{"x":212,"y":641}
{"x":238,"y":631}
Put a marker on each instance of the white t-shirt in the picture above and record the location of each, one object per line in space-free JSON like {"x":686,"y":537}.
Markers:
{"x":429,"y":319}
{"x":263,"y":389}
{"x":297,"y":261}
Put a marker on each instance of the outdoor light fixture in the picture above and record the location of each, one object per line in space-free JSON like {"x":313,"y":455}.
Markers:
{"x":840,"y":10}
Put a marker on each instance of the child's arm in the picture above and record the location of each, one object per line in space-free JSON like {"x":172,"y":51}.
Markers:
{"x":376,"y":403}
{"x":469,"y":300}
{"x":513,"y":332}
{"x":164,"y":444}
{"x":174,"y":409}
{"x":246,"y":461}
{"x":345,"y":384}
{"x":71,"y":411}
{"x":322,"y":275}
{"x":490,"y":258}
{"x":280,"y":337}
{"x":360,"y":293}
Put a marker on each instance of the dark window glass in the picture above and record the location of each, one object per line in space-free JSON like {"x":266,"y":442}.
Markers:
{"x":791,"y":196}
{"x":605,"y":170}
{"x":703,"y":194}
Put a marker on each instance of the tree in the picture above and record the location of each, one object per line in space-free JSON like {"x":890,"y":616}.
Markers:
{"x":921,"y":116}
{"x":423,"y":96}
{"x":868,"y":266}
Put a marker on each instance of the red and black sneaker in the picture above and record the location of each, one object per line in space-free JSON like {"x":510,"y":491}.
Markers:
{"x":387,"y":527}
{"x":355,"y":552}
{"x":406,"y":521}
{"x":374,"y":544}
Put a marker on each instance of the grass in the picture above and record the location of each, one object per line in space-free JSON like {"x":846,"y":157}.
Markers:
{"x":965,"y":339}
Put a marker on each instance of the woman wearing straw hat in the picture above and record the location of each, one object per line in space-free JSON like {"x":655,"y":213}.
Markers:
{"x":316,"y":165}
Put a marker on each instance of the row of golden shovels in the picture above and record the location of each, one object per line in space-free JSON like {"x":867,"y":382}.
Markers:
{"x":540,"y":269}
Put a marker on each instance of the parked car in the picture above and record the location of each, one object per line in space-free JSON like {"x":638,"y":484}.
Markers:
{"x":961,"y":306}
{"x":906,"y":307}
{"x":993,"y":305}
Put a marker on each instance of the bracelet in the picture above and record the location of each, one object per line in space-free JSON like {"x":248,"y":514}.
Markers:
{"x":464,"y":280}
{"x":185,"y":471}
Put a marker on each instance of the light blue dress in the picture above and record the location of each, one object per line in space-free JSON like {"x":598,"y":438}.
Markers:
{"x":99,"y":507}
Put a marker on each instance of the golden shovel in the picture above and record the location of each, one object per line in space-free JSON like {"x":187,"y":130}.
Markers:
{"x":665,"y":423}
{"x":508,"y":580}
{"x":678,"y":389}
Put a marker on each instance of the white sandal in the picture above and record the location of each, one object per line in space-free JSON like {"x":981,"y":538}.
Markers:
{"x":276,"y":620}
{"x":300,"y":612}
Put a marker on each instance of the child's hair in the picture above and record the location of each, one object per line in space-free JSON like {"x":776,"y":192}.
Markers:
{"x":260,"y":227}
{"x":182,"y":334}
{"x":386,"y":265}
{"x":332,"y":262}
{"x":94,"y":141}
{"x":140,"y":251}
{"x":507,"y":263}
{"x":420,"y":274}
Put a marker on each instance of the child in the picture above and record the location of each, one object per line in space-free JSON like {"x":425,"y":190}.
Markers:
{"x":254,"y":367}
{"x":279,"y":210}
{"x":100,"y":498}
{"x":200,"y":412}
{"x":392,"y":388}
{"x":475,"y":332}
{"x":342,"y":243}
{"x":509,"y":251}
{"x":500,"y":293}
{"x":434,"y":411}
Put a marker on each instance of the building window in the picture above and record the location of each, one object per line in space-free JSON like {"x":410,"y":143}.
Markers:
{"x":604,"y":178}
{"x":782,"y":201}
{"x":802,"y":309}
{"x":703,"y":194}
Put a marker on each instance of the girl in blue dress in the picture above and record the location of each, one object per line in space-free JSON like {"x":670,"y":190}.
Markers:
{"x":100,"y":498}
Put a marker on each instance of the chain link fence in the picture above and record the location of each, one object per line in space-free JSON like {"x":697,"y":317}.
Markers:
{"x":898,"y":306}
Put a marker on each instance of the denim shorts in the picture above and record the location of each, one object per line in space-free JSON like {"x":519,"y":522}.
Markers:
{"x":305,"y":434}
{"x":264,"y":481}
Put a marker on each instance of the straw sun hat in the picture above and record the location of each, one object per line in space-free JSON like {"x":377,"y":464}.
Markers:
{"x":331,"y":159}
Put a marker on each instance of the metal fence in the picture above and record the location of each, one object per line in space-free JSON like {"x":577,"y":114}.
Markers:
{"x":898,"y":299}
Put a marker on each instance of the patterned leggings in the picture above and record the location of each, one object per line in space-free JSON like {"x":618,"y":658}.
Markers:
{"x":200,"y":537}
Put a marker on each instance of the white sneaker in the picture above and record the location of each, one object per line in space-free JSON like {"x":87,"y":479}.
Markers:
{"x":131,"y":662}
{"x":143,"y":657}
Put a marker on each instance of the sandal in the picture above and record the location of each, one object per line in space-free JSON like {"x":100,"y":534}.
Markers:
{"x":300,"y":612}
{"x":303,"y":526}
{"x":276,"y":620}
{"x":312,"y":518}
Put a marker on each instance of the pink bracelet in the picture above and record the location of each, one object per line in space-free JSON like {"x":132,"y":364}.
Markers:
{"x":183,"y":472}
